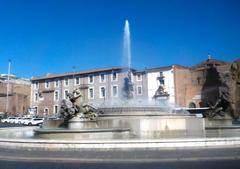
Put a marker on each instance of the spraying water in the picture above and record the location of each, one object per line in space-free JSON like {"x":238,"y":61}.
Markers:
{"x":128,"y":86}
{"x":126,"y":98}
{"x":127,"y":44}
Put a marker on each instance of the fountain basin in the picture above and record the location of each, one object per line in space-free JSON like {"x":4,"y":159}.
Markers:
{"x":20,"y":138}
{"x":124,"y":126}
{"x":154,"y":124}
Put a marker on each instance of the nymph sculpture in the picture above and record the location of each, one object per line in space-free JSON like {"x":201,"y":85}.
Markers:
{"x":77,"y":108}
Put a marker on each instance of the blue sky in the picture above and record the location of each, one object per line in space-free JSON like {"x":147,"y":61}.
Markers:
{"x":55,"y":35}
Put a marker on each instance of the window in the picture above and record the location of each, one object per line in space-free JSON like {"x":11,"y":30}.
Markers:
{"x":46,"y":110}
{"x":114,"y":76}
{"x":47,"y":84}
{"x":102,"y":78}
{"x":56,"y":83}
{"x":91,"y":93}
{"x":114,"y":91}
{"x":161,"y":82}
{"x":139,"y":90}
{"x":56,"y":96}
{"x":36,"y":97}
{"x":139,"y":77}
{"x":102,"y":93}
{"x":55,"y":109}
{"x":36,"y":85}
{"x":65,"y":94}
{"x":36,"y":110}
{"x":77,"y":80}
{"x":66,"y":82}
{"x":90,"y":79}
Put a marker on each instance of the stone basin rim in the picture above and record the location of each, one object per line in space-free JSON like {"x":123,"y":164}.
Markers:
{"x":56,"y":145}
{"x":120,"y":141}
{"x":68,"y":131}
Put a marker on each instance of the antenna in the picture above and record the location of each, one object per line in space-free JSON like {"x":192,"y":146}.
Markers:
{"x":74,"y":69}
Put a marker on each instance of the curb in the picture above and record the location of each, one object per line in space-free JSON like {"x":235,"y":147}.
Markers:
{"x":69,"y":145}
{"x":117,"y":144}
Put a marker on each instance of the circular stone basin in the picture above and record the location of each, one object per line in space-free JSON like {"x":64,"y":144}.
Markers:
{"x":124,"y":127}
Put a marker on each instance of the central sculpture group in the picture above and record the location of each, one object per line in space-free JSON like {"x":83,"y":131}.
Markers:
{"x":77,"y":108}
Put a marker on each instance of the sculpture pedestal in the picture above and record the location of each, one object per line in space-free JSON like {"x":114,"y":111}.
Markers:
{"x":82,"y":123}
{"x":56,"y":123}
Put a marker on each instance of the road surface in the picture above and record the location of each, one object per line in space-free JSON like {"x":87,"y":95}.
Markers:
{"x":207,"y":158}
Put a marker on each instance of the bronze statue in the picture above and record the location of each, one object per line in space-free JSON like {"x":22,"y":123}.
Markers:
{"x":229,"y":94}
{"x":77,"y":108}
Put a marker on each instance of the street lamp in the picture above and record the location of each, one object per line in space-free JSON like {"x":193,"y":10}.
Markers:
{"x":7,"y":101}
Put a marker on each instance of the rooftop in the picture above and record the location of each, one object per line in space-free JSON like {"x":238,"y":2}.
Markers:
{"x":99,"y":70}
{"x":208,"y":62}
{"x":50,"y":75}
{"x":14,"y":79}
{"x":165,"y":68}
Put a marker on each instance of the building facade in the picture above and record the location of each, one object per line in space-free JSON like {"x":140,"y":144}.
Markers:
{"x":168,"y":83}
{"x":102,"y":87}
{"x":203,"y":82}
{"x":98,"y":86}
{"x":178,"y":85}
{"x":17,"y":100}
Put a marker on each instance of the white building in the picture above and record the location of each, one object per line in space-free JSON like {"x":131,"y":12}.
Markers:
{"x":161,"y":77}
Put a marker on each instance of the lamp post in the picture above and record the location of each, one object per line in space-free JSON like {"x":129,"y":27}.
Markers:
{"x":74,"y":76}
{"x":7,"y":101}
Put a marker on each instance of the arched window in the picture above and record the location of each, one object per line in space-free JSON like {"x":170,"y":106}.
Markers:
{"x":46,"y":111}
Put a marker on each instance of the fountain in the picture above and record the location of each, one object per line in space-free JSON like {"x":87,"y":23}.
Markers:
{"x":126,"y":119}
{"x":125,"y":126}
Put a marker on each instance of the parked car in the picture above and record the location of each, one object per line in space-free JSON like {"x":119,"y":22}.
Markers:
{"x":14,"y":120}
{"x":18,"y":120}
{"x":26,"y":120}
{"x":9,"y":120}
{"x":5,"y":120}
{"x":35,"y":122}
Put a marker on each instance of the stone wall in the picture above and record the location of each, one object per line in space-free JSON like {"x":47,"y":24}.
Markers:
{"x":19,"y":98}
{"x":181,"y":81}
